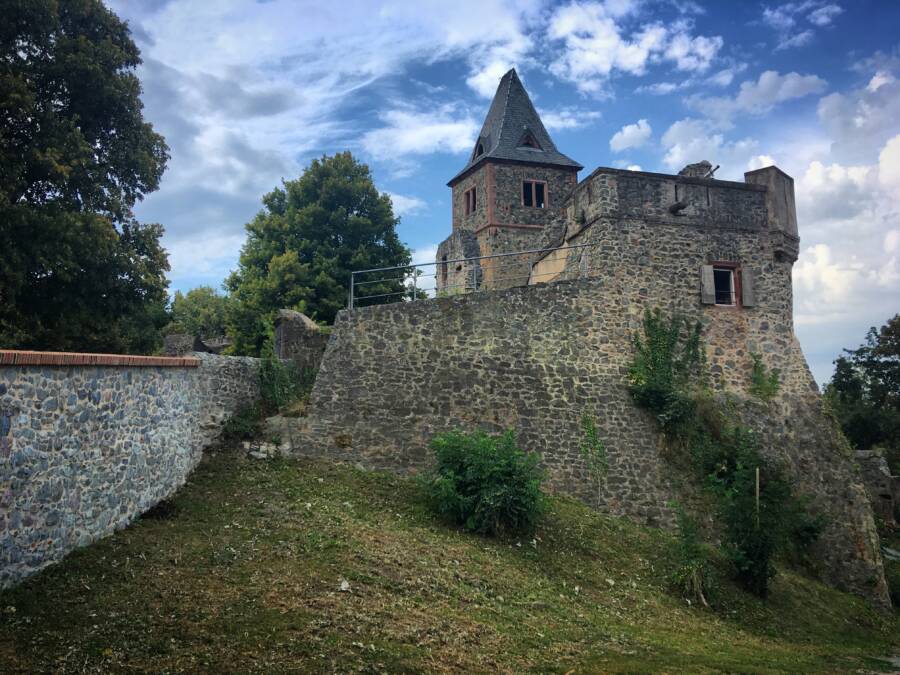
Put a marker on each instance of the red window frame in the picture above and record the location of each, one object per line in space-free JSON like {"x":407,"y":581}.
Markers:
{"x":735,"y":280}
{"x":533,"y":183}
{"x":470,"y":200}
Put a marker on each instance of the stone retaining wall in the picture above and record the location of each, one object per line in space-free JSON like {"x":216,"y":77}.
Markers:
{"x":535,"y":359}
{"x":89,"y":442}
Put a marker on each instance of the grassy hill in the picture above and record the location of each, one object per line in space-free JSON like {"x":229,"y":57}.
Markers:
{"x":242,"y":572}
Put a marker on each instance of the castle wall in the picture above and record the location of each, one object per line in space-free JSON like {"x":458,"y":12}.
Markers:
{"x":535,"y":358}
{"x":84,"y":448}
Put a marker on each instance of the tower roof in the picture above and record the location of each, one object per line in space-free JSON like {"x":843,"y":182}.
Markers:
{"x":513,"y":130}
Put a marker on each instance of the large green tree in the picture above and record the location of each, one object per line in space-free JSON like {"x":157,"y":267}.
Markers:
{"x":301,"y":248}
{"x":77,"y":271}
{"x":201,"y":311}
{"x":865,"y":391}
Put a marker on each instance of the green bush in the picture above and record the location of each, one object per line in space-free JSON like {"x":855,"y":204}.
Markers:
{"x":892,"y":574}
{"x":593,"y":451}
{"x":667,"y":378}
{"x":667,"y":367}
{"x":764,"y":383}
{"x":282,"y":382}
{"x":693,"y":576}
{"x":485,"y":483}
{"x":244,"y":425}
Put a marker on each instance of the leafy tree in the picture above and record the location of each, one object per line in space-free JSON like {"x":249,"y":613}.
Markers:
{"x":201,"y":311}
{"x":865,"y":391}
{"x":76,"y":270}
{"x":301,"y":248}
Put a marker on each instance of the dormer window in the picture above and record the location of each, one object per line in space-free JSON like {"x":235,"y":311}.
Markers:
{"x":529,"y":142}
{"x":479,"y":150}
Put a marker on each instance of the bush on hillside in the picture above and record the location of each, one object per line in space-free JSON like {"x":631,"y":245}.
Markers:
{"x":485,"y":483}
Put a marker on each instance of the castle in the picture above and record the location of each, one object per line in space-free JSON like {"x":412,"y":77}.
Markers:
{"x":535,"y":356}
{"x":519,"y":193}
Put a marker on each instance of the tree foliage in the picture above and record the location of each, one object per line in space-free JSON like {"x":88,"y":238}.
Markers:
{"x":865,"y":391}
{"x":201,"y":311}
{"x":301,"y":248}
{"x":76,"y":270}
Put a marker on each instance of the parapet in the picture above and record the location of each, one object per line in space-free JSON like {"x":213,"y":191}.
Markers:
{"x":779,"y":198}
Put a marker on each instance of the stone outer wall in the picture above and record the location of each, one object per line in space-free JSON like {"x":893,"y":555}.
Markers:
{"x":85,"y":449}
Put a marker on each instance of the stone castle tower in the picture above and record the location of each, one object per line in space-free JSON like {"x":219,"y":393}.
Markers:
{"x":513,"y":186}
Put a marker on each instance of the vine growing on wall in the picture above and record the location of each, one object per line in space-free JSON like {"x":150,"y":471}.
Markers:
{"x":756,"y":506}
{"x":593,"y":451}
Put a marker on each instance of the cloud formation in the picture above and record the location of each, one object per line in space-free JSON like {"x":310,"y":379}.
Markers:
{"x":631,"y":136}
{"x":596,"y":44}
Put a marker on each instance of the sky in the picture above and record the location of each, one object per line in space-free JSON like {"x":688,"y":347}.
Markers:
{"x":248,"y":93}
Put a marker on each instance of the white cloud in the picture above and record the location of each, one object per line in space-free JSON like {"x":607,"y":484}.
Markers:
{"x":568,"y":118}
{"x":860,"y":122}
{"x":631,"y":136}
{"x":414,"y":132}
{"x":691,"y":140}
{"x":633,"y":167}
{"x":760,"y":161}
{"x":797,"y":40}
{"x":404,"y":205}
{"x":824,"y":15}
{"x":758,"y":97}
{"x":788,"y":18}
{"x":596,"y":44}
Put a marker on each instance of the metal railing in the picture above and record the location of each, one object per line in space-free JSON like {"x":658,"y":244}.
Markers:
{"x":420,"y":281}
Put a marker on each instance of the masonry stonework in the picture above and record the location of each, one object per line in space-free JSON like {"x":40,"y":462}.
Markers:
{"x":85,"y":449}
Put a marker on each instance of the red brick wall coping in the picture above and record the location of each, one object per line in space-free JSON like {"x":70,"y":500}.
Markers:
{"x":14,"y":357}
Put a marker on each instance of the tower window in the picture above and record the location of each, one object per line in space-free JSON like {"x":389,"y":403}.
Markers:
{"x":529,"y":141}
{"x":479,"y":150}
{"x":724,"y":281}
{"x":534,"y":193}
{"x":469,"y":196}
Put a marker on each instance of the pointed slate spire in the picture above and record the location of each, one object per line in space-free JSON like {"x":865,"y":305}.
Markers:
{"x":513,"y":130}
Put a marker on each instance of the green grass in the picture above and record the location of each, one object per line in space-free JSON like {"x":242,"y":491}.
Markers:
{"x":242,"y":573}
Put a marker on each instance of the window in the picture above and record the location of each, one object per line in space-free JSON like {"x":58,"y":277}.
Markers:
{"x":479,"y":150}
{"x":534,"y":193}
{"x":443,"y":270}
{"x":727,"y":284}
{"x":723,"y":278}
{"x":469,"y":196}
{"x":529,"y":141}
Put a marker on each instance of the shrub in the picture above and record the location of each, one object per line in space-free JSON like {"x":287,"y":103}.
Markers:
{"x":485,"y":483}
{"x":282,"y":382}
{"x":667,"y":379}
{"x":244,"y":425}
{"x":667,"y":366}
{"x":892,"y":574}
{"x":593,"y":451}
{"x":764,"y":383}
{"x":693,"y":576}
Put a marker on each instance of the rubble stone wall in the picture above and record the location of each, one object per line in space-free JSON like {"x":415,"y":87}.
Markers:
{"x":84,"y":449}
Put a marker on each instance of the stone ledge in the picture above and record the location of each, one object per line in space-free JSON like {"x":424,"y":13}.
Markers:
{"x":13,"y":357}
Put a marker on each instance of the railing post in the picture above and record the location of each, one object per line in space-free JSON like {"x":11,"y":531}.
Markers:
{"x":415,"y":283}
{"x":352,"y":279}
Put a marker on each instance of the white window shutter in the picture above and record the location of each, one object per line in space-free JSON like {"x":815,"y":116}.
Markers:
{"x":707,"y":285}
{"x":748,"y":288}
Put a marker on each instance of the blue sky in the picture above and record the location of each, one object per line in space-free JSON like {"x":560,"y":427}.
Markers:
{"x":246,"y":93}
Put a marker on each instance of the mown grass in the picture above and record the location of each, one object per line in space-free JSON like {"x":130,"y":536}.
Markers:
{"x":242,"y":571}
